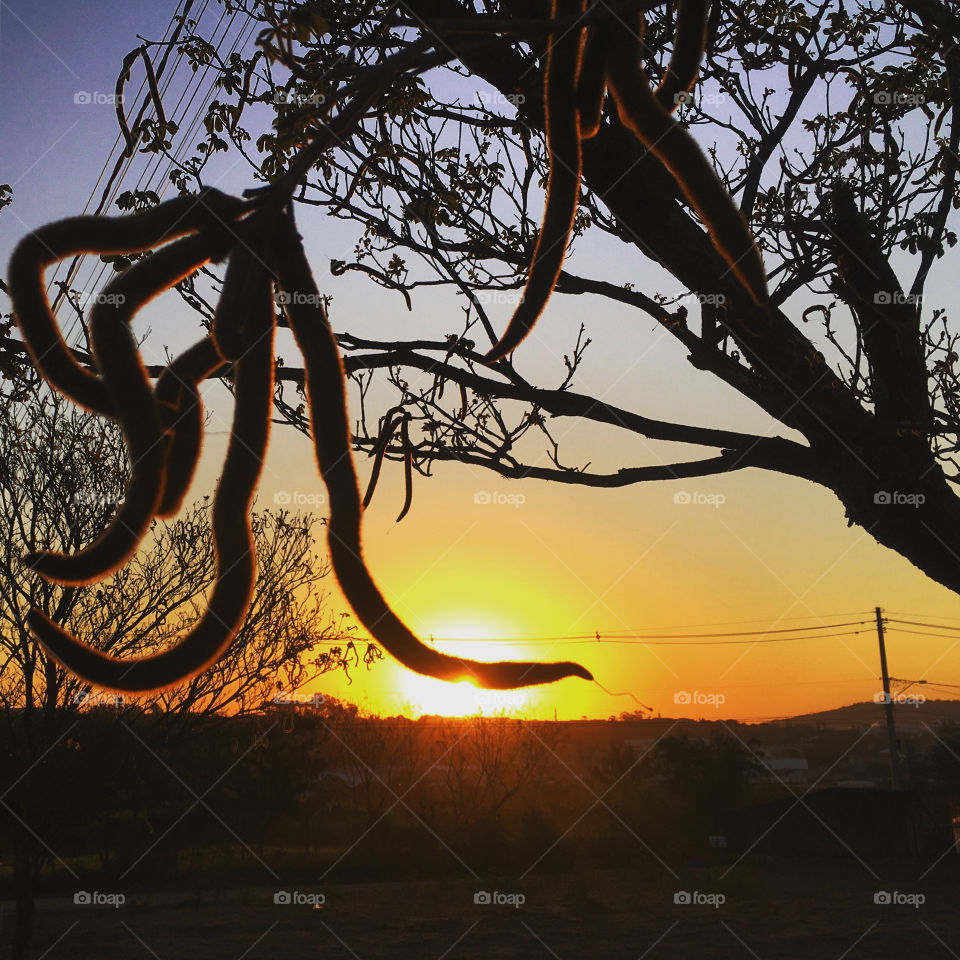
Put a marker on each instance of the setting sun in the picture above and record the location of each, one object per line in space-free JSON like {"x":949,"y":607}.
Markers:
{"x":438,"y":698}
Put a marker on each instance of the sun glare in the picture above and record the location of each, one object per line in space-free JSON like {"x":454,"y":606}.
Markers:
{"x":425,"y":695}
{"x":439,"y":698}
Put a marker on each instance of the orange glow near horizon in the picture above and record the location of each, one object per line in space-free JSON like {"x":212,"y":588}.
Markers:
{"x":424,"y":695}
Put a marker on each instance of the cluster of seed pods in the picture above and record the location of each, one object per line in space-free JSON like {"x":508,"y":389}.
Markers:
{"x":162,"y":422}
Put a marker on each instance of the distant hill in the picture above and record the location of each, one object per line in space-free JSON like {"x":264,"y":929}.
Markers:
{"x":928,"y":711}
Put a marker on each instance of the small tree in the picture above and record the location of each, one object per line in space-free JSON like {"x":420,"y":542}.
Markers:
{"x":60,"y":479}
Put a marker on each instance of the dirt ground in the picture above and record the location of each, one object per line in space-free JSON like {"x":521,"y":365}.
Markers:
{"x":763,"y":909}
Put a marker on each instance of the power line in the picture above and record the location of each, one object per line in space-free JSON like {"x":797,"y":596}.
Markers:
{"x":151,"y":170}
{"x":638,"y":639}
{"x":917,"y":623}
{"x":641,"y":635}
{"x":75,"y":263}
{"x":922,"y":633}
{"x":901,"y":613}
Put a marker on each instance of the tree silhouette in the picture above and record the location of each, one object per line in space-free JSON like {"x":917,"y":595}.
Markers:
{"x":60,"y":480}
{"x":833,"y":131}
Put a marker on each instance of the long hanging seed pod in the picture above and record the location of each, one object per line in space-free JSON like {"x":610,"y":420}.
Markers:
{"x":407,"y":468}
{"x":563,"y":180}
{"x":592,"y":79}
{"x":326,"y":384}
{"x":678,"y":151}
{"x":181,"y":411}
{"x":689,"y":45}
{"x":232,"y":534}
{"x":389,"y":424}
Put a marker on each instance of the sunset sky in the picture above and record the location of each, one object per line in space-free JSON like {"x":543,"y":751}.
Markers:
{"x":768,"y":552}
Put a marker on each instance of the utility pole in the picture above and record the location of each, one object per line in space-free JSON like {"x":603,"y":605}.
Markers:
{"x":888,"y":706}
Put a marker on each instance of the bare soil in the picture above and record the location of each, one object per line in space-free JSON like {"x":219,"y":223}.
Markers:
{"x":770,"y":909}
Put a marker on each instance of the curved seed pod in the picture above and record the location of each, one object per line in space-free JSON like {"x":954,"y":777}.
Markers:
{"x":129,"y":393}
{"x":107,"y":235}
{"x":388,"y":426}
{"x":228,"y":318}
{"x":689,"y":44}
{"x":154,"y":95}
{"x":563,"y":184}
{"x":326,"y":384}
{"x":233,"y":537}
{"x":592,"y":80}
{"x":181,"y":411}
{"x":669,"y":141}
{"x":407,"y":468}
